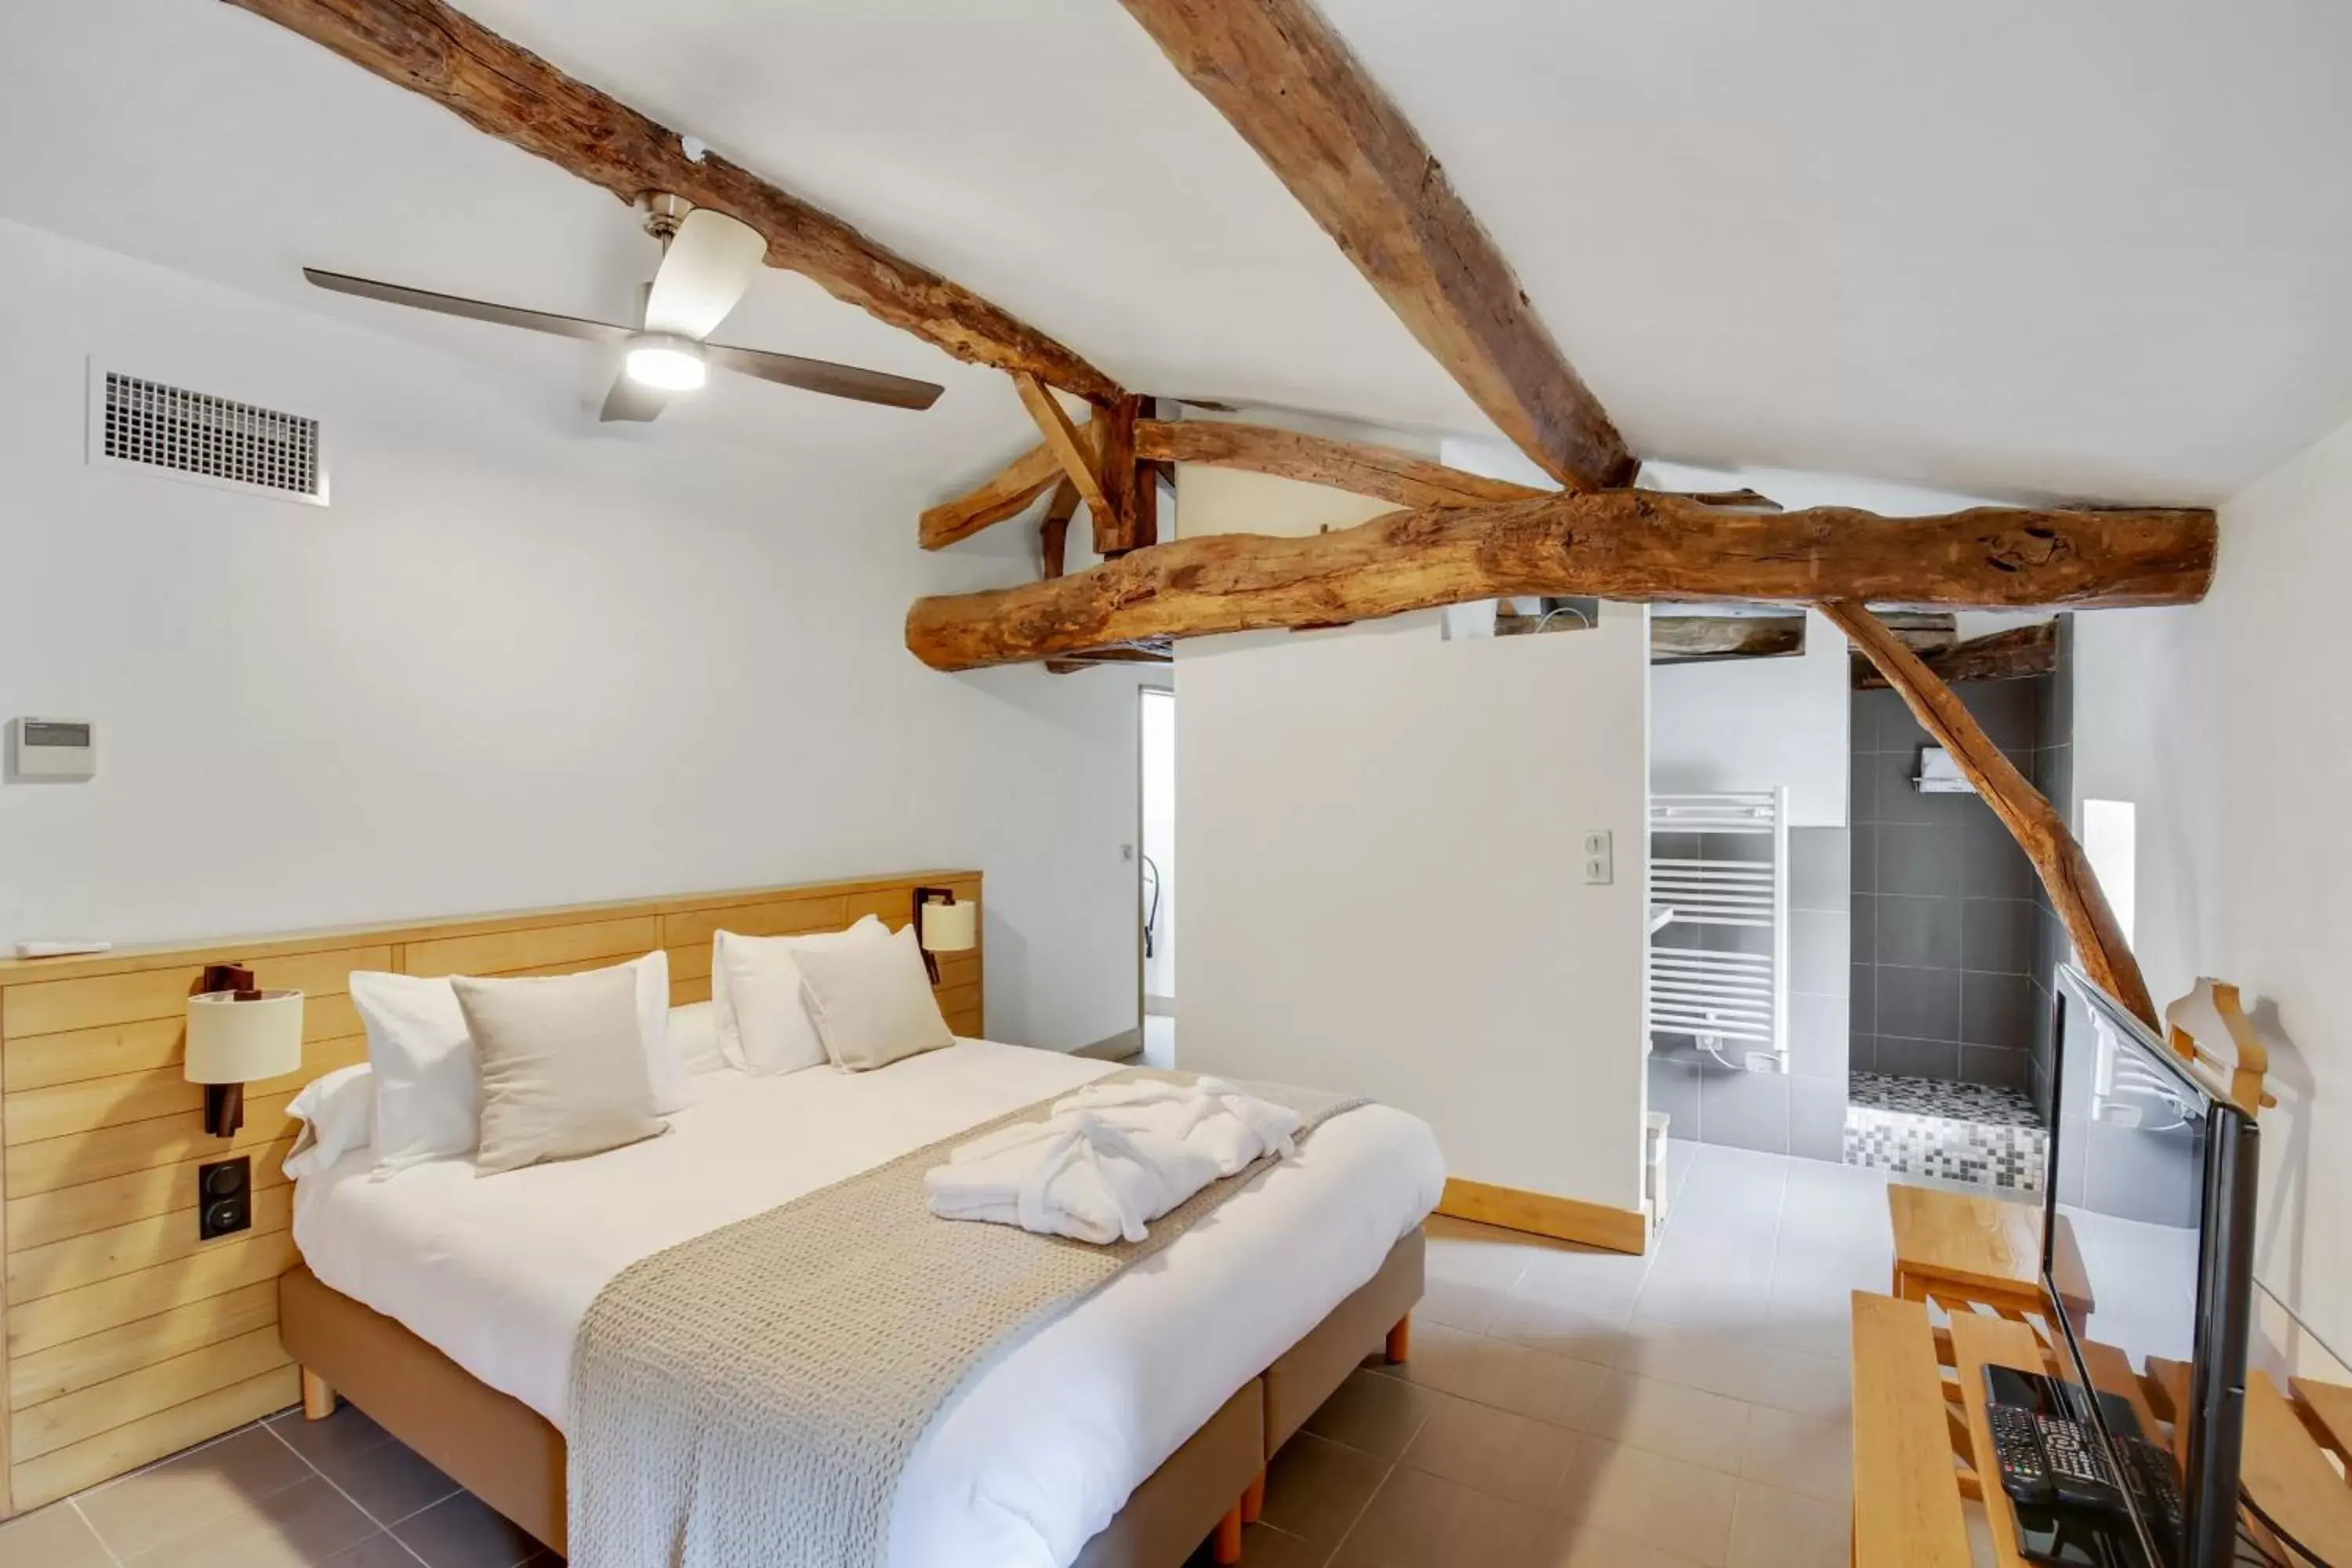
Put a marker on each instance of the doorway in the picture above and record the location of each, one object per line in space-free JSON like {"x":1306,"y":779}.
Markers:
{"x":1157,"y":875}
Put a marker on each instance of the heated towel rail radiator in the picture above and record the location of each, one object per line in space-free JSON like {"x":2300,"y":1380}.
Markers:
{"x":1719,"y":924}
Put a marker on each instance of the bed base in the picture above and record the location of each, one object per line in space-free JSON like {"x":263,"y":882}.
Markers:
{"x":511,"y":1457}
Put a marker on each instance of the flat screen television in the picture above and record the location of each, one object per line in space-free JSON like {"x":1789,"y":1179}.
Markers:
{"x":2147,"y":1248}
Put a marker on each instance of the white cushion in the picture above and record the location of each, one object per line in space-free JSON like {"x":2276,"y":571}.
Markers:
{"x":873,"y":1002}
{"x":427,"y":1091}
{"x":694,"y":1036}
{"x":429,"y":1083}
{"x":763,"y":1024}
{"x":338,"y":1115}
{"x":563,"y":1065}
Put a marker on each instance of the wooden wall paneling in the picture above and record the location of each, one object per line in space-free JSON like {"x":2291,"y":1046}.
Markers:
{"x":126,"y":1338}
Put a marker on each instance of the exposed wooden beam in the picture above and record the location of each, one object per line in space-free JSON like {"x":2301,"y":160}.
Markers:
{"x":2017,"y":653}
{"x":1289,"y":85}
{"x":1116,"y":521}
{"x":1006,"y":493}
{"x":1357,"y":467}
{"x":1160,"y":654}
{"x":1923,"y":632}
{"x":2039,"y":827}
{"x":1617,"y":544}
{"x":1054,"y":532}
{"x":512,"y":94}
{"x":1697,"y":639}
{"x":1076,"y":455}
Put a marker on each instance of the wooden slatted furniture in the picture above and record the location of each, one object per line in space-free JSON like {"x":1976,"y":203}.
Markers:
{"x":1919,"y":1423}
{"x":1960,"y":1251}
{"x":125,"y":1338}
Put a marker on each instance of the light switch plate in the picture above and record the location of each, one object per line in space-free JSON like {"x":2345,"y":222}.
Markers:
{"x":1600,"y":857}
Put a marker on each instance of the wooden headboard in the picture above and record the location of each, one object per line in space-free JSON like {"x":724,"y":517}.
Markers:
{"x":125,"y":1339}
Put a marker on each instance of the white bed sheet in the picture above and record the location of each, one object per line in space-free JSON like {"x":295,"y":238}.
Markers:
{"x":1044,"y":1448}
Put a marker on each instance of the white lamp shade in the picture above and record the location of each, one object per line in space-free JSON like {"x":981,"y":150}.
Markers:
{"x":950,"y":928}
{"x":231,"y":1041}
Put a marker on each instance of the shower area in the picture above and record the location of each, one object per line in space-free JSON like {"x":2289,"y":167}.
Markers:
{"x":1955,"y":945}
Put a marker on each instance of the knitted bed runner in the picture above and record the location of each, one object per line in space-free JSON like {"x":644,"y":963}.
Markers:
{"x":749,"y":1398}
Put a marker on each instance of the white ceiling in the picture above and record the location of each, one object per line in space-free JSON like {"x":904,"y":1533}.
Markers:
{"x":2098,"y":248}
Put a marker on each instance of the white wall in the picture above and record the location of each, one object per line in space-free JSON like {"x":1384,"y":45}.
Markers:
{"x":1159,"y":836}
{"x":517,"y":662}
{"x":1756,"y":723}
{"x":1381,"y":884}
{"x":2225,"y":724}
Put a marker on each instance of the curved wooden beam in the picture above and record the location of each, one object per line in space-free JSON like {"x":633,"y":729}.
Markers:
{"x":1617,"y":544}
{"x":2017,"y":653}
{"x":2039,"y":827}
{"x":511,"y":93}
{"x":1290,"y":85}
{"x":1357,"y":467}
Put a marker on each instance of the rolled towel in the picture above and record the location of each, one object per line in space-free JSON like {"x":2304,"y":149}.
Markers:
{"x":1076,"y":1175}
{"x":1212,"y":1115}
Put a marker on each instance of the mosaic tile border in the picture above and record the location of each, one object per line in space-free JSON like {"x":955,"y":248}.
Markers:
{"x":1955,"y":1132}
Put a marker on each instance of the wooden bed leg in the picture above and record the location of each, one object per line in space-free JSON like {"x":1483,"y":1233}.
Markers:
{"x":1399,"y":1346}
{"x":318,"y":1399}
{"x":1227,"y":1550}
{"x":1253,"y":1499}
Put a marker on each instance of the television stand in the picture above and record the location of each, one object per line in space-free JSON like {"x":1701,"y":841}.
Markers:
{"x":1919,"y":1405}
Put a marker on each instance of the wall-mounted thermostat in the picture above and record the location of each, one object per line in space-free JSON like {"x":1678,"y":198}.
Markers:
{"x":56,"y":748}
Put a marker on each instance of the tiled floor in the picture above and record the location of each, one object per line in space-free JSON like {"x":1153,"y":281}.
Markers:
{"x":1562,"y":1409}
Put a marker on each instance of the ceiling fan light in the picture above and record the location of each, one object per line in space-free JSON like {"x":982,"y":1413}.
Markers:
{"x":667,"y":363}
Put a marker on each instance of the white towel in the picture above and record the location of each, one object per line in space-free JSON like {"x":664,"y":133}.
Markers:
{"x":1075,"y":1175}
{"x":1211,"y":1115}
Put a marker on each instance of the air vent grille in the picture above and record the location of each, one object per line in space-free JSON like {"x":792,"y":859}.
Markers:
{"x":198,"y":436}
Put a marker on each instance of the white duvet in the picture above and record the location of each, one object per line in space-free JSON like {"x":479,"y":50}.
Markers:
{"x":1042,"y":1449}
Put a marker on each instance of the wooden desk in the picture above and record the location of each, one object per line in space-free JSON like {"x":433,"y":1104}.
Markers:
{"x":1911,"y":1423}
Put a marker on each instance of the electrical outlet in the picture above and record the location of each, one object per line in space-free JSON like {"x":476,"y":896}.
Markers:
{"x":1600,"y":857}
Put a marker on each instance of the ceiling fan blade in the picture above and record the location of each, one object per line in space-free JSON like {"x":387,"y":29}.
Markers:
{"x":710,"y":261}
{"x":472,"y":309}
{"x":824,"y":376}
{"x":633,"y":401}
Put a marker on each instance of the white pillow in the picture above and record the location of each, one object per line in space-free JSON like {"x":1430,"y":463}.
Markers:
{"x":428,"y":1103}
{"x":872,"y":1003}
{"x":563,"y":1065}
{"x":694,"y":1036}
{"x":429,"y":1099}
{"x":763,"y":1024}
{"x":338,"y":1115}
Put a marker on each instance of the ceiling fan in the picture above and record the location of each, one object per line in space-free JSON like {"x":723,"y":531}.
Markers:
{"x":708,"y":260}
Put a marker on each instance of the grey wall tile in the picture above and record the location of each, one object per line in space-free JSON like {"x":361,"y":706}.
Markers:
{"x":1996,"y":868}
{"x":1673,"y":1088}
{"x":1862,"y":788}
{"x":1997,"y":935}
{"x":2007,"y":709}
{"x":1820,"y":952}
{"x":1996,"y":1067}
{"x":1736,"y":847}
{"x":1891,"y":726}
{"x":1921,"y":858}
{"x":1861,"y":723}
{"x":1997,"y":1010}
{"x":2053,"y":775}
{"x":1817,"y":1036}
{"x":1861,"y":1051}
{"x":1674,"y":847}
{"x":1817,"y":1118}
{"x":1899,"y":799}
{"x":1923,"y":1003}
{"x":1918,"y":1058}
{"x":1920,"y":933}
{"x":1821,"y":869}
{"x":1862,"y":995}
{"x":1862,"y":850}
{"x":1746,"y":1110}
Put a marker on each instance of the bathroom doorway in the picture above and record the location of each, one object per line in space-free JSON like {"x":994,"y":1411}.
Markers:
{"x":1157,"y":875}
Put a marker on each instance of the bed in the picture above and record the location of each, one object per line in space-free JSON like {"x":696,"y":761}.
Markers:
{"x":446,"y":1307}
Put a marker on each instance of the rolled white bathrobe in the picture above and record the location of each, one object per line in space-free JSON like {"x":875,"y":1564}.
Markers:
{"x":1073,"y":1175}
{"x":1212,"y":1116}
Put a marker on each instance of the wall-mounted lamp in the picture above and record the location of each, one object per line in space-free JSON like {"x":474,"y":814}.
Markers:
{"x":238,"y":1034}
{"x":942,"y":925}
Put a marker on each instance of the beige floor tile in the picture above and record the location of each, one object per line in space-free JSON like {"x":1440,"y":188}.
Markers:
{"x":464,"y":1531}
{"x":1421,"y":1521}
{"x":1476,"y":1253}
{"x":388,"y":1481}
{"x":1378,"y":1414}
{"x":1264,"y":1547}
{"x":1776,"y":1529}
{"x":346,"y":1432}
{"x":1670,"y":1418}
{"x":1801,"y":1454}
{"x":294,"y":1527}
{"x":55,"y":1537}
{"x":1528,"y":1382}
{"x":171,"y":1500}
{"x":1495,"y":1451}
{"x":1460,"y":1303}
{"x":1582,"y":1545}
{"x":1583,"y":1332}
{"x":1681,"y":1508}
{"x":1315,"y":1489}
{"x":378,"y":1551}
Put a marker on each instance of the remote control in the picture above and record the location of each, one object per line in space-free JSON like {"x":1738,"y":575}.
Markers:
{"x":2018,"y":1447}
{"x":2147,"y":1474}
{"x":2078,"y":1468}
